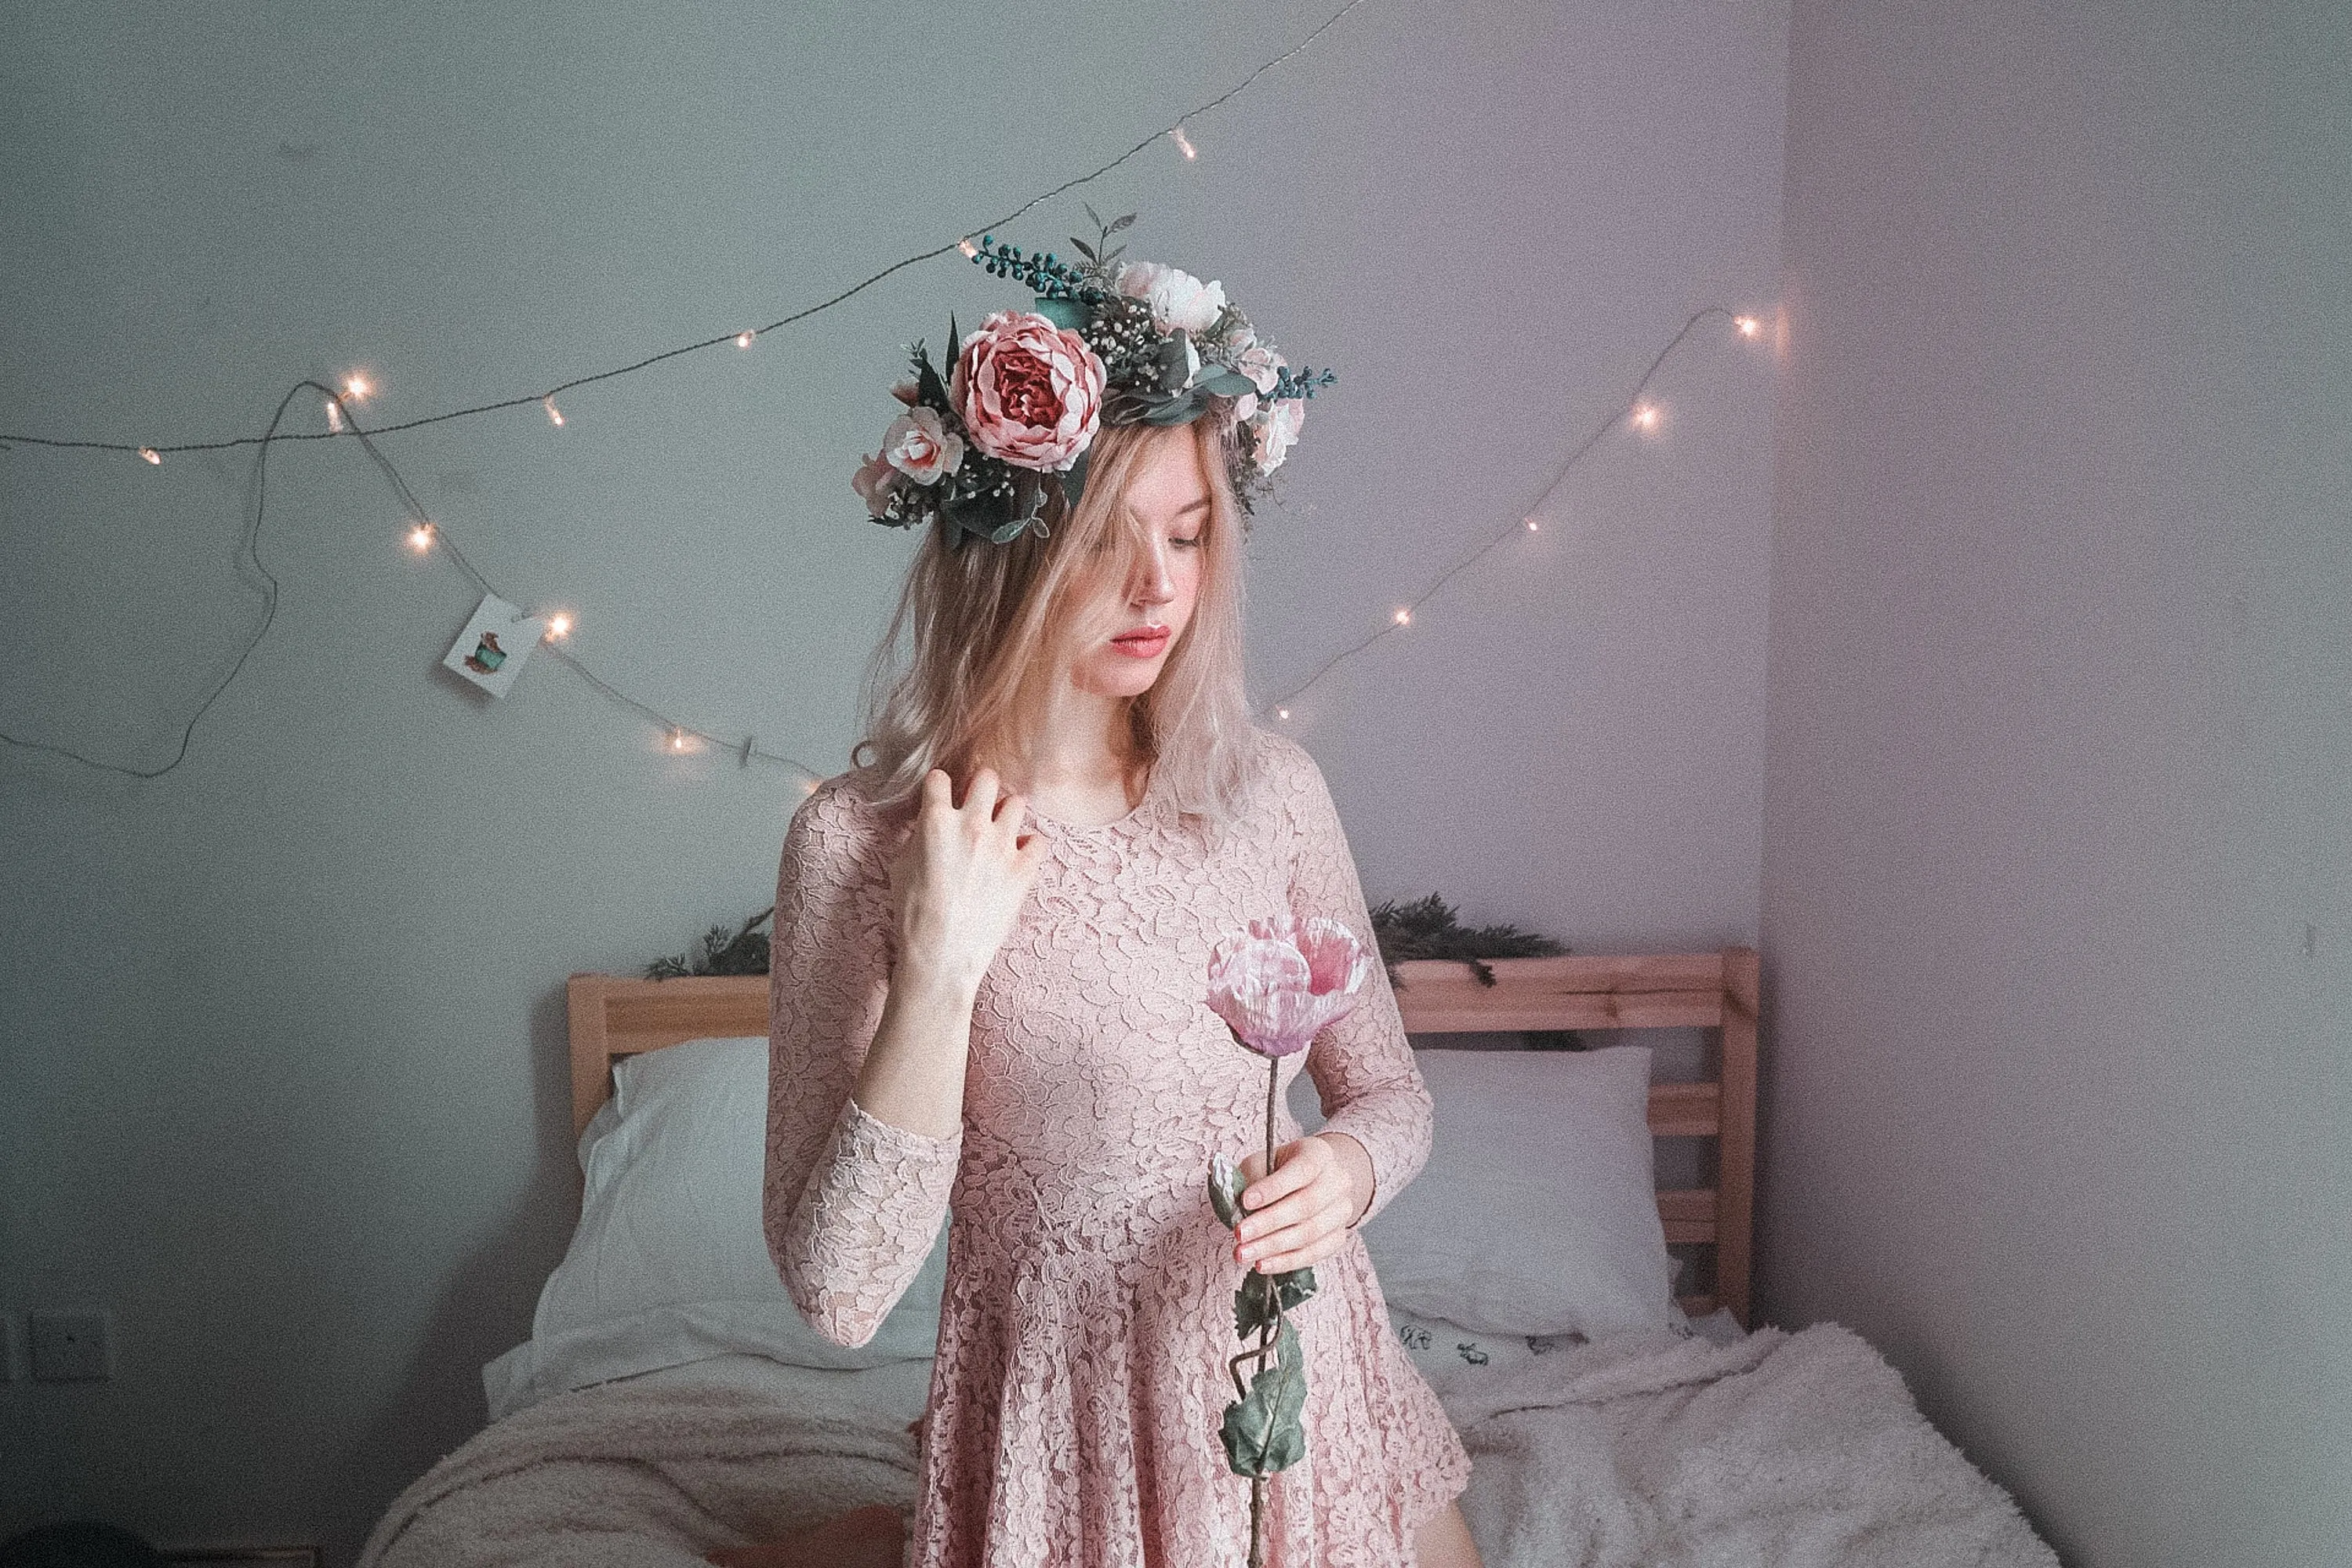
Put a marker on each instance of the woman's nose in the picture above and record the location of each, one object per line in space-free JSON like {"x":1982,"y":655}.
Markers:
{"x":1153,"y":586}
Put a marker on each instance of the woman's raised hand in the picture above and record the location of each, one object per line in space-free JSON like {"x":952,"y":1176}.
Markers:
{"x":958,"y":880}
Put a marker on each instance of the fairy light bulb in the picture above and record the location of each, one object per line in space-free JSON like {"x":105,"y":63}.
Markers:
{"x":971,"y":251}
{"x":554,"y":415}
{"x":152,"y":454}
{"x":1645,"y":416}
{"x":743,"y":339}
{"x":1748,"y":325}
{"x":1184,"y":143}
{"x":558,"y":625}
{"x":334,"y":415}
{"x":356,"y":387}
{"x":420,"y":538}
{"x":1282,"y":712}
{"x":677,"y":740}
{"x":1403,"y":618}
{"x":1533,"y":527}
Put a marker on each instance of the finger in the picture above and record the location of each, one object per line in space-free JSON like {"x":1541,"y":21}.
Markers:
{"x":939,"y":790}
{"x":1266,"y":1254}
{"x":983,"y":792}
{"x":1010,"y":810}
{"x":1305,"y":1257}
{"x":1262,"y":1232}
{"x":1296,"y":1164}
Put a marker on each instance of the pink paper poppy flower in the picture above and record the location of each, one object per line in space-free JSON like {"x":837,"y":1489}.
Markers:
{"x":1284,"y":983}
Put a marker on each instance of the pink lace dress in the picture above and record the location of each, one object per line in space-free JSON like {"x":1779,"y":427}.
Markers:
{"x":1080,"y":1379}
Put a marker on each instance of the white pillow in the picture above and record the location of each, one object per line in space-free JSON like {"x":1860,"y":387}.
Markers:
{"x":669,"y":1263}
{"x":1444,"y":1351}
{"x":1538,"y":1211}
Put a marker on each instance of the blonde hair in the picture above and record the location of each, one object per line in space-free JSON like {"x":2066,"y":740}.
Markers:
{"x":986,"y":628}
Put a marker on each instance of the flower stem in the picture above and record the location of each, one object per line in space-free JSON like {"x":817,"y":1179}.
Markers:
{"x":1265,"y":1335}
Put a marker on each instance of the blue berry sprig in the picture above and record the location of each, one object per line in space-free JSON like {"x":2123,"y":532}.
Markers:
{"x":1046,"y":274}
{"x":1304,"y":382}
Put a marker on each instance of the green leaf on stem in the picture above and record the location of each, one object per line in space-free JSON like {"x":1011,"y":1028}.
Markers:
{"x":1262,"y":1431}
{"x":1253,"y":1304}
{"x":1226,"y":1186}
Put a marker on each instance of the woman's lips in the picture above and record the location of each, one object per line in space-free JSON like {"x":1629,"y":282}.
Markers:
{"x":1142,"y":645}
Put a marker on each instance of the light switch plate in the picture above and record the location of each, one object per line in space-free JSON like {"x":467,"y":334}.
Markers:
{"x":71,"y":1347}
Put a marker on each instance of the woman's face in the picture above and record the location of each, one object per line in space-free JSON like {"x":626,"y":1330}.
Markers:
{"x":1149,"y":611}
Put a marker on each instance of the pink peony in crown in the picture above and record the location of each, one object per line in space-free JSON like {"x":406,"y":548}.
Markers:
{"x":997,"y":446}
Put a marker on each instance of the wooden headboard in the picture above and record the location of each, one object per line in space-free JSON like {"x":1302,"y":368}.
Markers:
{"x":612,"y":1018}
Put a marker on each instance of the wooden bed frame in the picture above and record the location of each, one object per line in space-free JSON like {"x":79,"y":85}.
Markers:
{"x":613,"y":1017}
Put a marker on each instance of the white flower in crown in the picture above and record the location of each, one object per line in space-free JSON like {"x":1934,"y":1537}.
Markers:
{"x":1275,"y":429}
{"x":1263,"y":367}
{"x":874,"y":483}
{"x":1261,"y":364}
{"x":919,"y":447}
{"x":1178,"y":300}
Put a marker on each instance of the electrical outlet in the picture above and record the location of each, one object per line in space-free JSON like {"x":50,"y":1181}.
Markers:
{"x":72,"y":1347}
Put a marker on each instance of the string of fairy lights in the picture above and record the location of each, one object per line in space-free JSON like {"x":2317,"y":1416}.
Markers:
{"x":1641,"y":413}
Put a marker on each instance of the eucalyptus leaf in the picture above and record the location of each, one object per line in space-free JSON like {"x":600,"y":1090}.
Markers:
{"x":1028,"y":493}
{"x":1176,"y":410}
{"x":986,"y":514}
{"x":1227,"y":384}
{"x":1067,"y":314}
{"x":1073,"y":484}
{"x":1262,"y":1430}
{"x":930,"y":390}
{"x":1121,"y":223}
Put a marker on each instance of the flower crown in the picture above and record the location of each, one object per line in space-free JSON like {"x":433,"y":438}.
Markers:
{"x":991,"y":447}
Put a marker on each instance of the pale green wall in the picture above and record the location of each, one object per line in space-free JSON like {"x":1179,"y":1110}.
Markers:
{"x":282,"y":1076}
{"x":2056,"y":845}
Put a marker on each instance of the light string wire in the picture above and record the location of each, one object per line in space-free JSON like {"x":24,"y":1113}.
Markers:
{"x":1400,"y":618}
{"x":1174,"y":131}
{"x":249,"y":539}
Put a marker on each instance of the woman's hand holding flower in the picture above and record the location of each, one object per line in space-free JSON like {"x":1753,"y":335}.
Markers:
{"x":1300,"y":1214}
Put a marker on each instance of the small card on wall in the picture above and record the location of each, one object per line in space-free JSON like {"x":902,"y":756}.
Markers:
{"x":492,"y":649}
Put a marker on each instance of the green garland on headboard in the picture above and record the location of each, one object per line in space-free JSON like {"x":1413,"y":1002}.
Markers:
{"x":1428,"y":927}
{"x":743,"y":950}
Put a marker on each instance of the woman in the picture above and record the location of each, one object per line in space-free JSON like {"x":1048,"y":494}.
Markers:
{"x":992,"y":946}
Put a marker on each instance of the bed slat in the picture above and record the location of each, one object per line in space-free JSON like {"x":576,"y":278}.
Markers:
{"x":1688,"y":1213}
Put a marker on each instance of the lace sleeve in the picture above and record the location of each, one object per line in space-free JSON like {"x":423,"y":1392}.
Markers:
{"x":851,"y":1204}
{"x":1362,"y":1065}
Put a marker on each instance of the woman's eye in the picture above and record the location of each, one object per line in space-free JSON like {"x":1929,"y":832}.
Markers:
{"x":1192,"y":542}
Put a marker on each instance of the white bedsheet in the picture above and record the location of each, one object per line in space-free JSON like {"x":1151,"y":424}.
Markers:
{"x":1766,"y":1449}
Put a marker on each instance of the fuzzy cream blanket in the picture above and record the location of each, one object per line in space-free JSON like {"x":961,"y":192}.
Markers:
{"x":643,"y":1477}
{"x":1798,"y":1451}
{"x":1776,"y":1451}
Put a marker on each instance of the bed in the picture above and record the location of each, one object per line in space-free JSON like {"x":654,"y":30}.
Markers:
{"x":1530,"y":1271}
